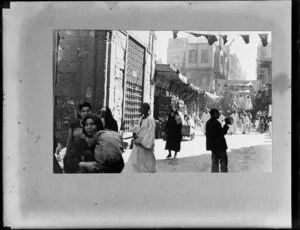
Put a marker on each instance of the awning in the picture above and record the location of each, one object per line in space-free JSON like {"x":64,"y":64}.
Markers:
{"x":213,"y":96}
{"x":166,"y":73}
{"x":240,"y":84}
{"x":169,"y":78}
{"x":242,"y":91}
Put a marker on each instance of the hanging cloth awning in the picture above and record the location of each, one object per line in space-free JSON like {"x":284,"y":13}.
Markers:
{"x":212,"y":96}
{"x":166,"y":76}
{"x":170,"y":79}
{"x":215,"y":98}
{"x":242,"y":91}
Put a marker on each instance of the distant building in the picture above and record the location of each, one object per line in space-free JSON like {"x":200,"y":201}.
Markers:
{"x":176,"y":53}
{"x":237,"y":85}
{"x":264,"y":74}
{"x":244,"y":75}
{"x":201,"y":63}
{"x":198,"y":61}
{"x":238,"y":94}
{"x":235,"y":69}
{"x":264,"y":64}
{"x":221,"y":63}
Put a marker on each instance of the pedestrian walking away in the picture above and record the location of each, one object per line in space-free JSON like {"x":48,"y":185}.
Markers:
{"x":173,"y":132}
{"x":216,"y":142}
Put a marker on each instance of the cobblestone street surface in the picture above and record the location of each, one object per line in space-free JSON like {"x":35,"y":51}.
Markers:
{"x":246,"y":153}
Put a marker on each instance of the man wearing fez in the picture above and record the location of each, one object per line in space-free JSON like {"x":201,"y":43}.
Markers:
{"x":215,"y":141}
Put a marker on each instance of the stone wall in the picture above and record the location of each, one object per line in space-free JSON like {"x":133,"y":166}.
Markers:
{"x":117,"y":70}
{"x":89,"y":66}
{"x":146,"y":95}
{"x":117,"y":59}
{"x":79,"y":74}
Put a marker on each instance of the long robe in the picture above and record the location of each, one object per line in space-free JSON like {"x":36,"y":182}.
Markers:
{"x":142,"y":159}
{"x":174,"y":136}
{"x":235,"y":121}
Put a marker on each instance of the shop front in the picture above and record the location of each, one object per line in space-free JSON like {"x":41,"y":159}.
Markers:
{"x":172,"y":90}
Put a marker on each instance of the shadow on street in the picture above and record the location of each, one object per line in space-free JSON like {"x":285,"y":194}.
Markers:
{"x":256,"y":159}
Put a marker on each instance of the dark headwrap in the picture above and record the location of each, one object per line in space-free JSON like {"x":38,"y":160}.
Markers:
{"x":96,"y":119}
{"x":174,"y":111}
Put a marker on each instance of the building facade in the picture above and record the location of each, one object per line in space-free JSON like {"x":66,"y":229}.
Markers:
{"x":264,"y":64}
{"x":201,"y":63}
{"x":235,"y":69}
{"x":176,"y":53}
{"x":105,"y":68}
{"x":264,"y":74}
{"x":238,"y":94}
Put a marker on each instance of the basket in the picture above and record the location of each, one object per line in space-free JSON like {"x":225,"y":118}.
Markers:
{"x":186,"y":130}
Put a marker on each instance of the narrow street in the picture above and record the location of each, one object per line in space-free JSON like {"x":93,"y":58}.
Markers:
{"x":246,"y":153}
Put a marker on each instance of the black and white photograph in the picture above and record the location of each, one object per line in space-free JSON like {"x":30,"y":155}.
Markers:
{"x":165,"y":101}
{"x":147,"y":114}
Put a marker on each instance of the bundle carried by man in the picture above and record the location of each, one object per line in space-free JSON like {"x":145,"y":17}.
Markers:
{"x":108,"y":149}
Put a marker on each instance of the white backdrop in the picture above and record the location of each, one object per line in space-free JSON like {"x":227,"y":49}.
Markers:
{"x":35,"y":197}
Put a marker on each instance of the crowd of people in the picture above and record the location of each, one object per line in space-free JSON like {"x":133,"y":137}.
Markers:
{"x":83,"y":152}
{"x":95,"y":143}
{"x":243,"y":121}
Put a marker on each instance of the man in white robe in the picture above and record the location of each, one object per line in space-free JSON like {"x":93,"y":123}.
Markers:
{"x":235,"y":118}
{"x":142,"y":159}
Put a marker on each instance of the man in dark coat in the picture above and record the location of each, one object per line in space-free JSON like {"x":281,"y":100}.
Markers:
{"x":215,"y":141}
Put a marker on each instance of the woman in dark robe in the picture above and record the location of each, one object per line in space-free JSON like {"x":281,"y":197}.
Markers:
{"x":173,"y":132}
{"x":107,"y":119}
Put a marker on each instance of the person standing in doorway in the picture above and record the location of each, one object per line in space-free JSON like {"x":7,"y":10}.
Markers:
{"x":173,"y":132}
{"x":108,"y":120}
{"x":215,"y":141}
